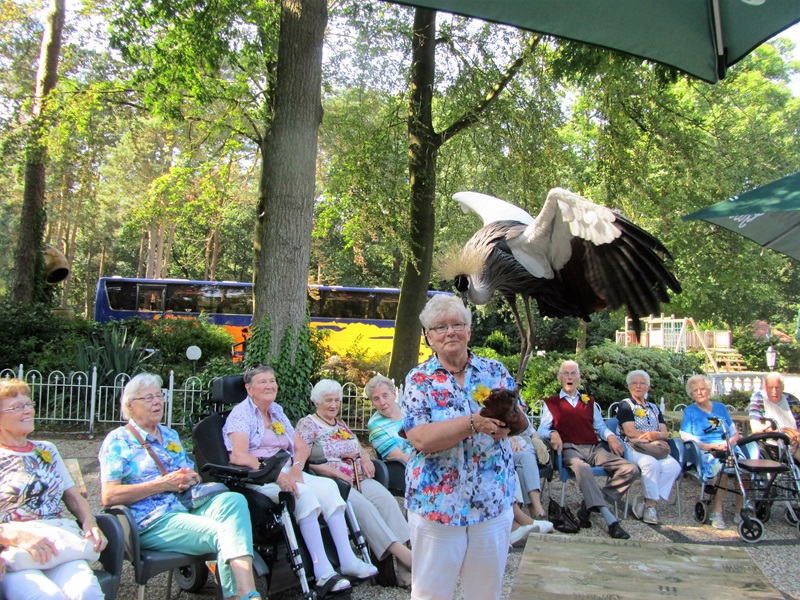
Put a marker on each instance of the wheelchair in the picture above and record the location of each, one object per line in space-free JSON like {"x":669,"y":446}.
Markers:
{"x":761,"y":482}
{"x":275,"y":534}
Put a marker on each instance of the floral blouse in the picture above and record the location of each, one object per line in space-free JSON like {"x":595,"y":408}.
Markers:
{"x":124,"y":459}
{"x":474,"y":480}
{"x":645,"y":418}
{"x":335,"y":442}
{"x":32,"y":483}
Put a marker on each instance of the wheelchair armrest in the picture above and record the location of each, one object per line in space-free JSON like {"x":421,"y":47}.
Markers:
{"x":381,"y":472}
{"x":236,"y":474}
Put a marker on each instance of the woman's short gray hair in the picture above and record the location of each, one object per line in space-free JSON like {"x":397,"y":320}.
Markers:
{"x":376,"y":382}
{"x":256,"y":370}
{"x":324,"y":388}
{"x":694,"y":379}
{"x":131,"y":390}
{"x":637,"y":373}
{"x":441,"y":305}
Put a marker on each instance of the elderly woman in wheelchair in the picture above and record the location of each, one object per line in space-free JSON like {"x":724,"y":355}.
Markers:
{"x":706,"y":423}
{"x":257,"y":428}
{"x":132,"y":459}
{"x":337,"y":453}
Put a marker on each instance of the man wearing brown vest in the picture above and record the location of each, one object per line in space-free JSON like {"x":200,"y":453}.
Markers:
{"x":574,"y":425}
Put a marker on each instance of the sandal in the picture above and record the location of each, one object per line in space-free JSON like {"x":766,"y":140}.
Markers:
{"x":332,"y":584}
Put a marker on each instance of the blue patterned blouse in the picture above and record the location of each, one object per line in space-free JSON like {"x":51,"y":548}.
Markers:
{"x":472,"y":481}
{"x":124,"y":459}
{"x":384,"y":435}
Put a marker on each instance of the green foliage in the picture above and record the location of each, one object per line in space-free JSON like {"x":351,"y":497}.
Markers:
{"x":171,"y":338}
{"x":498,"y":341}
{"x":218,"y":366}
{"x":603,"y":371}
{"x":29,"y":330}
{"x":298,"y":361}
{"x":754,"y":352}
{"x":113,"y":350}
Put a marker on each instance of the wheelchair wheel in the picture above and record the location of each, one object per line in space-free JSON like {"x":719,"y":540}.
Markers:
{"x":752,"y":533}
{"x":701,"y":512}
{"x":191,"y":578}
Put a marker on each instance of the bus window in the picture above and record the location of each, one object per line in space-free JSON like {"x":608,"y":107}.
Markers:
{"x":150,"y":298}
{"x":121,"y":295}
{"x":387,"y":307}
{"x":344,"y":305}
{"x":235,"y":301}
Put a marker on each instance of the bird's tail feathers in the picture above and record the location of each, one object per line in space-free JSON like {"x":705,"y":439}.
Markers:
{"x":455,"y":261}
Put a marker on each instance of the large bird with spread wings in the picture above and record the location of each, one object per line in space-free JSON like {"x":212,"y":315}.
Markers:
{"x":574,"y":259}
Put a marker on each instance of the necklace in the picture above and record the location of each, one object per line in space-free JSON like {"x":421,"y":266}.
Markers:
{"x":461,"y":370}
{"x":26,"y":448}
{"x":319,"y":416}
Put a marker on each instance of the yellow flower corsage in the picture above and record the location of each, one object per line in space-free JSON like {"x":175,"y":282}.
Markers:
{"x":640,"y":412}
{"x":345,"y":435}
{"x":585,"y":398}
{"x":480,"y":394}
{"x":174,"y":447}
{"x":278,"y":428}
{"x":796,"y":409}
{"x":45,"y":455}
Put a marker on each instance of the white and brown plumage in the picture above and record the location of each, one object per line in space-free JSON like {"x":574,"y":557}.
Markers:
{"x":574,"y":259}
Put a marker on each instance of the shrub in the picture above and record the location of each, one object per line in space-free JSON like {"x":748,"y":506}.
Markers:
{"x":498,"y":341}
{"x":603,"y":371}
{"x":171,"y":338}
{"x":27,"y":330}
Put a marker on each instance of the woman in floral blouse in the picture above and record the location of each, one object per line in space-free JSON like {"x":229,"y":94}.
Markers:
{"x":640,"y":419}
{"x":384,"y":526}
{"x":33,"y":482}
{"x":130,"y":476}
{"x":258,"y":428}
{"x":460,"y":476}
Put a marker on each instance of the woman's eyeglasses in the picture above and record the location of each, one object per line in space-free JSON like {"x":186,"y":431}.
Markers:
{"x":150,"y":398}
{"x":442,"y":329}
{"x":17,"y":408}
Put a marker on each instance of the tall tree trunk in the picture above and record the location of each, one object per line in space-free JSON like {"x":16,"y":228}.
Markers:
{"x":28,"y":264}
{"x":286,"y":195}
{"x":423,"y":146}
{"x":580,"y":343}
{"x":422,"y":149}
{"x":141,"y":269}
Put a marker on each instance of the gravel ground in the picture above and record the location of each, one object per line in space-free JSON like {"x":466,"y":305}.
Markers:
{"x":776,"y":554}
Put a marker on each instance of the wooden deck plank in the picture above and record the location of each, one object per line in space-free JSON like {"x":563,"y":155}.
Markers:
{"x":558,"y":566}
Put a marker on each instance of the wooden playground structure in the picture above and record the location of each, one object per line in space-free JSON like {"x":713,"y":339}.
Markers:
{"x":683,"y":335}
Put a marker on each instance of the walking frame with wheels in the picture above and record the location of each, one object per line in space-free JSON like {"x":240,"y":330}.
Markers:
{"x":760,"y":481}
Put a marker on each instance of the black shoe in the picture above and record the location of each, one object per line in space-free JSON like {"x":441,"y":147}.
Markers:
{"x":583,"y":516}
{"x":616,"y":531}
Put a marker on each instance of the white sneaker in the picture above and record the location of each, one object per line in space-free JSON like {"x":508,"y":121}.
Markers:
{"x":717,"y":522}
{"x":520,"y":533}
{"x":638,"y":507}
{"x":360,"y":570}
{"x":650,"y":516}
{"x":543,"y":526}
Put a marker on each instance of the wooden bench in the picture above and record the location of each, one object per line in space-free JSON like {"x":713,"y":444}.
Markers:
{"x":74,"y":468}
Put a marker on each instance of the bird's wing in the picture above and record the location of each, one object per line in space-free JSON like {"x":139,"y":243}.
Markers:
{"x":564,"y":217}
{"x":491,"y":209}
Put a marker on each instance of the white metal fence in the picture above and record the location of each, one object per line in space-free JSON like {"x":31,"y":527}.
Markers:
{"x":77,"y":403}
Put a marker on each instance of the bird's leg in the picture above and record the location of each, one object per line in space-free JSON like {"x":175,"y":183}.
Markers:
{"x":523,"y":359}
{"x":523,"y":348}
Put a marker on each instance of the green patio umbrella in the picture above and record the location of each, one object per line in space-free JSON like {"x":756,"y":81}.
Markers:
{"x":769,"y":215}
{"x":700,"y":37}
